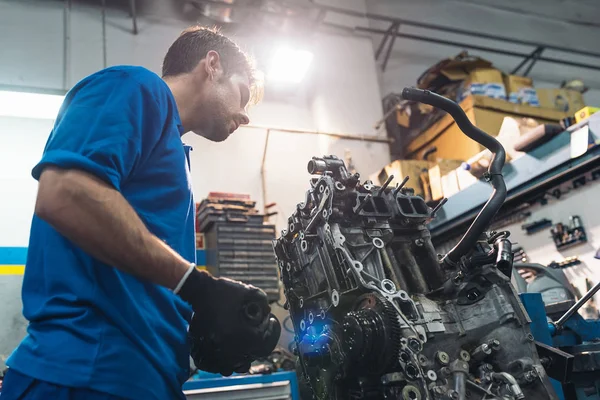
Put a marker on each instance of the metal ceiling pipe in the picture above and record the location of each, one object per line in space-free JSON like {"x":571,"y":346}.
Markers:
{"x":66,"y":43}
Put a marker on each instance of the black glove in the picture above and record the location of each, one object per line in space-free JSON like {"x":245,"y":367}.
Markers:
{"x":231,"y":326}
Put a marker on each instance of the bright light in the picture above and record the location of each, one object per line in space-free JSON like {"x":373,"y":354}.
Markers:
{"x":29,"y":105}
{"x":289,"y":65}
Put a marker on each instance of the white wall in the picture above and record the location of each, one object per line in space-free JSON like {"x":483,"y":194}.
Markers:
{"x":411,"y":58}
{"x":341,"y":95}
{"x":541,"y":249}
{"x":31,"y":49}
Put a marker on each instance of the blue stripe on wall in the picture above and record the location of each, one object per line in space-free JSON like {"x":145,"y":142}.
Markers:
{"x":200,"y":257}
{"x":13,"y":255}
{"x":18,"y":256}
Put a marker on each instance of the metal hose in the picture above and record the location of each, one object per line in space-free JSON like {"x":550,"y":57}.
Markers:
{"x":489,"y":210}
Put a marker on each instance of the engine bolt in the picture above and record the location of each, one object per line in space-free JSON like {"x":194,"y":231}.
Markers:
{"x":529,"y":337}
{"x":454,"y":395}
{"x":442,"y":357}
{"x":494,"y":344}
{"x":432,"y":375}
{"x":414,"y":344}
{"x":464,"y":355}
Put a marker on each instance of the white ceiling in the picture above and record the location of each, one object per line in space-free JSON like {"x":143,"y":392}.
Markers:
{"x":577,"y":11}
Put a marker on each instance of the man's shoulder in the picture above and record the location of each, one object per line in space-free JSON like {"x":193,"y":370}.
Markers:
{"x":123,"y":74}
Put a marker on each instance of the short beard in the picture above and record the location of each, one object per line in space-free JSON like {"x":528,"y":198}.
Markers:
{"x":218,"y":131}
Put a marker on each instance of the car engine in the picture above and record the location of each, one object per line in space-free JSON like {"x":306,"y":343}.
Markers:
{"x":378,"y":314}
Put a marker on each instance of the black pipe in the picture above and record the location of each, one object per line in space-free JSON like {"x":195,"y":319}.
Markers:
{"x":494,"y":174}
{"x":442,"y":28}
{"x":477,"y":47}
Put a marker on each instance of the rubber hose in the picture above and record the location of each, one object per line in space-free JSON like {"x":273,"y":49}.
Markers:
{"x":489,"y":210}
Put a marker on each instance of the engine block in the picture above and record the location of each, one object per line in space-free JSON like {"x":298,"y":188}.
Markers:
{"x":376,"y":313}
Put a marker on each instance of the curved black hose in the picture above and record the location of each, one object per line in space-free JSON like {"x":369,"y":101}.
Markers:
{"x":489,"y":210}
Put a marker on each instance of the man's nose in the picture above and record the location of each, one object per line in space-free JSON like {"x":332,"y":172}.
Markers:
{"x":244,"y":119}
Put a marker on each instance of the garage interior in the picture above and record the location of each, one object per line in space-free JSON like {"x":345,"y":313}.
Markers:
{"x":334,"y":71}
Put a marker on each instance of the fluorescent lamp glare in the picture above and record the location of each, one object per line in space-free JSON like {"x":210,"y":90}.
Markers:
{"x":29,"y":105}
{"x":289,"y":65}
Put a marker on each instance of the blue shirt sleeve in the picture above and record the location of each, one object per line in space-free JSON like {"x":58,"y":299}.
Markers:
{"x":106,"y":126}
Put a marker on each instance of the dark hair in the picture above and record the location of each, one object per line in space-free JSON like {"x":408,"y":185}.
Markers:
{"x":192,"y":46}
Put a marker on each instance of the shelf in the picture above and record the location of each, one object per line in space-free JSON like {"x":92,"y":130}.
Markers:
{"x":548,"y":164}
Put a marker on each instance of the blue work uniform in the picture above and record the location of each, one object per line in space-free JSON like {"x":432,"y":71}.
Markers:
{"x":92,"y":326}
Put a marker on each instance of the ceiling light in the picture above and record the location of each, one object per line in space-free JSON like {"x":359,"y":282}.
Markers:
{"x":29,"y":105}
{"x":289,"y":65}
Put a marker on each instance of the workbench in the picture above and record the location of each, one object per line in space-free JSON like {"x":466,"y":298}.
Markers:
{"x":275,"y":386}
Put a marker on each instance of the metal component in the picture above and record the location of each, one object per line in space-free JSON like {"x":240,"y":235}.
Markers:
{"x":529,"y":337}
{"x":439,"y":205}
{"x":388,"y":286}
{"x":377,"y":242}
{"x":533,"y":57}
{"x":385,"y":185}
{"x":481,"y":48}
{"x":509,"y":379}
{"x":442,"y":28}
{"x":431,"y":375}
{"x":481,"y":352}
{"x":66,"y":43}
{"x":399,"y":186}
{"x":389,"y":304}
{"x":338,"y":135}
{"x":133,"y":13}
{"x":104,"y":33}
{"x":442,"y":357}
{"x":335,"y":298}
{"x":558,"y":364}
{"x":396,"y":29}
{"x":494,"y":344}
{"x":465,"y":356}
{"x":365,"y":201}
{"x":559,"y":324}
{"x":411,"y":392}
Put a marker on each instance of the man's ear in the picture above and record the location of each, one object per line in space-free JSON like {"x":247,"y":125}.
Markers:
{"x":213,"y":65}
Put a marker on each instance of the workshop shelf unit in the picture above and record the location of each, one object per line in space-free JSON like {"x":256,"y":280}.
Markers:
{"x":527,"y":177}
{"x":244,"y":252}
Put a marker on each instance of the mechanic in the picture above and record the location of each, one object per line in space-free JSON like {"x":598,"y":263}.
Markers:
{"x":110,"y":283}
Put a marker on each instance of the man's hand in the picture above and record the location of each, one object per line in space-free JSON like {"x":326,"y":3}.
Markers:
{"x":232,"y":325}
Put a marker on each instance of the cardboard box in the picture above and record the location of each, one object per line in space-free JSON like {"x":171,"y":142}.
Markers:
{"x":520,"y":90}
{"x":487,"y":114}
{"x":454,"y":69}
{"x":585,"y":112}
{"x":403,"y":168}
{"x":436,"y":173}
{"x":565,"y":100}
{"x":485,"y":82}
{"x":450,"y":184}
{"x":514,"y":83}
